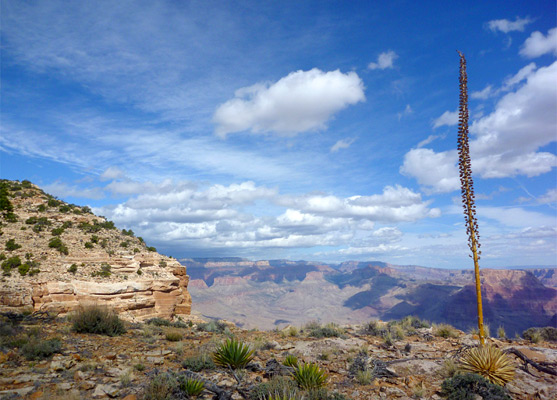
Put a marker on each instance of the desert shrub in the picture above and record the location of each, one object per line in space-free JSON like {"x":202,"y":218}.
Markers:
{"x":124,"y":244}
{"x":151,"y":248}
{"x":11,"y":245}
{"x":38,"y":349}
{"x":88,"y":245}
{"x":136,"y":250}
{"x":212,"y":326}
{"x":41,"y":208}
{"x":156,"y":321}
{"x":162,"y":264}
{"x":444,"y":331}
{"x":23,"y":269}
{"x":198,"y":363}
{"x":329,"y":330}
{"x":105,"y":271}
{"x":65,"y":208}
{"x":470,"y":386}
{"x":364,"y":377}
{"x":94,"y":239}
{"x":309,"y":376}
{"x":535,"y":335}
{"x":10,"y":263}
{"x":374,"y":328}
{"x":501,"y":333}
{"x":277,"y":387}
{"x":26,"y":184}
{"x":73,"y":268}
{"x":160,"y":387}
{"x":127,"y":232}
{"x":56,"y":243}
{"x":489,"y":362}
{"x":290,"y":361}
{"x":449,"y":368}
{"x":97,"y":319}
{"x":57,"y":231}
{"x":2,"y":257}
{"x":232,"y":353}
{"x":52,"y":202}
{"x":173,"y":335}
{"x":324,"y":394}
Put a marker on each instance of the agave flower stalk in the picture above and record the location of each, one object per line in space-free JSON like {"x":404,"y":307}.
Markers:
{"x":467,"y":188}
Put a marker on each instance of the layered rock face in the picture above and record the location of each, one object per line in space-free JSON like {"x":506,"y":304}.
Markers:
{"x":69,"y":257}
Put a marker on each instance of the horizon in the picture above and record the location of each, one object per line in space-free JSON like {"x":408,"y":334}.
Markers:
{"x":300,"y":131}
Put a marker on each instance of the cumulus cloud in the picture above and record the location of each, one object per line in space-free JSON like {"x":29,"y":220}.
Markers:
{"x":301,"y":101}
{"x":448,"y":118}
{"x":112,"y":173}
{"x":384,"y":61}
{"x":538,"y":44}
{"x":549,"y":197}
{"x":506,"y":142}
{"x":342,"y":144}
{"x":506,"y":26}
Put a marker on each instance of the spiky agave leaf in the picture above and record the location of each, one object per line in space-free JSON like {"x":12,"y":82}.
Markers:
{"x":309,"y":376}
{"x":233,"y":354}
{"x":191,"y":387}
{"x":489,"y":362}
{"x":290,"y":361}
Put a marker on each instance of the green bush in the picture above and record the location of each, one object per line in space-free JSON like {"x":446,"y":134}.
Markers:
{"x":161,"y":387}
{"x":73,"y":268}
{"x":469,"y":386}
{"x":151,"y":248}
{"x":52,"y":202}
{"x":56,"y":243}
{"x":10,"y":263}
{"x":38,"y":349}
{"x":23,"y":269}
{"x":374,"y":328}
{"x":198,"y":363}
{"x":124,"y":244}
{"x":2,"y":256}
{"x":57,"y":231}
{"x":97,"y":319}
{"x":309,"y":376}
{"x":104,"y":272}
{"x":41,"y":208}
{"x":547,"y":333}
{"x":127,"y":232}
{"x":88,"y":245}
{"x":64,"y":209}
{"x":174,"y":336}
{"x":233,"y":354}
{"x":11,"y":245}
{"x":94,"y":239}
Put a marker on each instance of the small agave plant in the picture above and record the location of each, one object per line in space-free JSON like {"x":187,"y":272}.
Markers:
{"x":233,"y":354}
{"x":489,"y":362}
{"x":309,"y":376}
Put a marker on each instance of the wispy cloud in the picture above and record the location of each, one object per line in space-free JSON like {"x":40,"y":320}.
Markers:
{"x":448,"y":118}
{"x":384,"y":60}
{"x":506,"y":26}
{"x":342,"y":144}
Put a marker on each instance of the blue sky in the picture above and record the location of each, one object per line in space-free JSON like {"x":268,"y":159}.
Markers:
{"x":317,"y":130}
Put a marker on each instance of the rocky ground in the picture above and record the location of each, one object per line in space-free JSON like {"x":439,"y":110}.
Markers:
{"x":90,"y":366}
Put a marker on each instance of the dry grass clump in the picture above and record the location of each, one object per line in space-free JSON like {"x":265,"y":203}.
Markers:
{"x":489,"y":362}
{"x":97,"y":319}
{"x":444,"y":331}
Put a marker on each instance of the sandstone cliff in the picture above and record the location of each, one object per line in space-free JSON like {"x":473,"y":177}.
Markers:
{"x":56,"y":256}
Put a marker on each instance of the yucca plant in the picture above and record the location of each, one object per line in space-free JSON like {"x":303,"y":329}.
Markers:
{"x":233,"y":354}
{"x":489,"y":362}
{"x":290,"y":361}
{"x":467,"y":187}
{"x":191,"y":387}
{"x":309,"y":376}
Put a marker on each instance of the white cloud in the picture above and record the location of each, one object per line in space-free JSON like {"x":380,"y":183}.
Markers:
{"x":483,"y":94}
{"x":448,"y":118}
{"x":538,"y":44}
{"x":437,"y":171}
{"x":301,"y":101}
{"x":342,"y":144}
{"x":379,"y":249}
{"x":506,"y":141}
{"x":384,"y":61}
{"x":407,"y":111}
{"x":506,"y":26}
